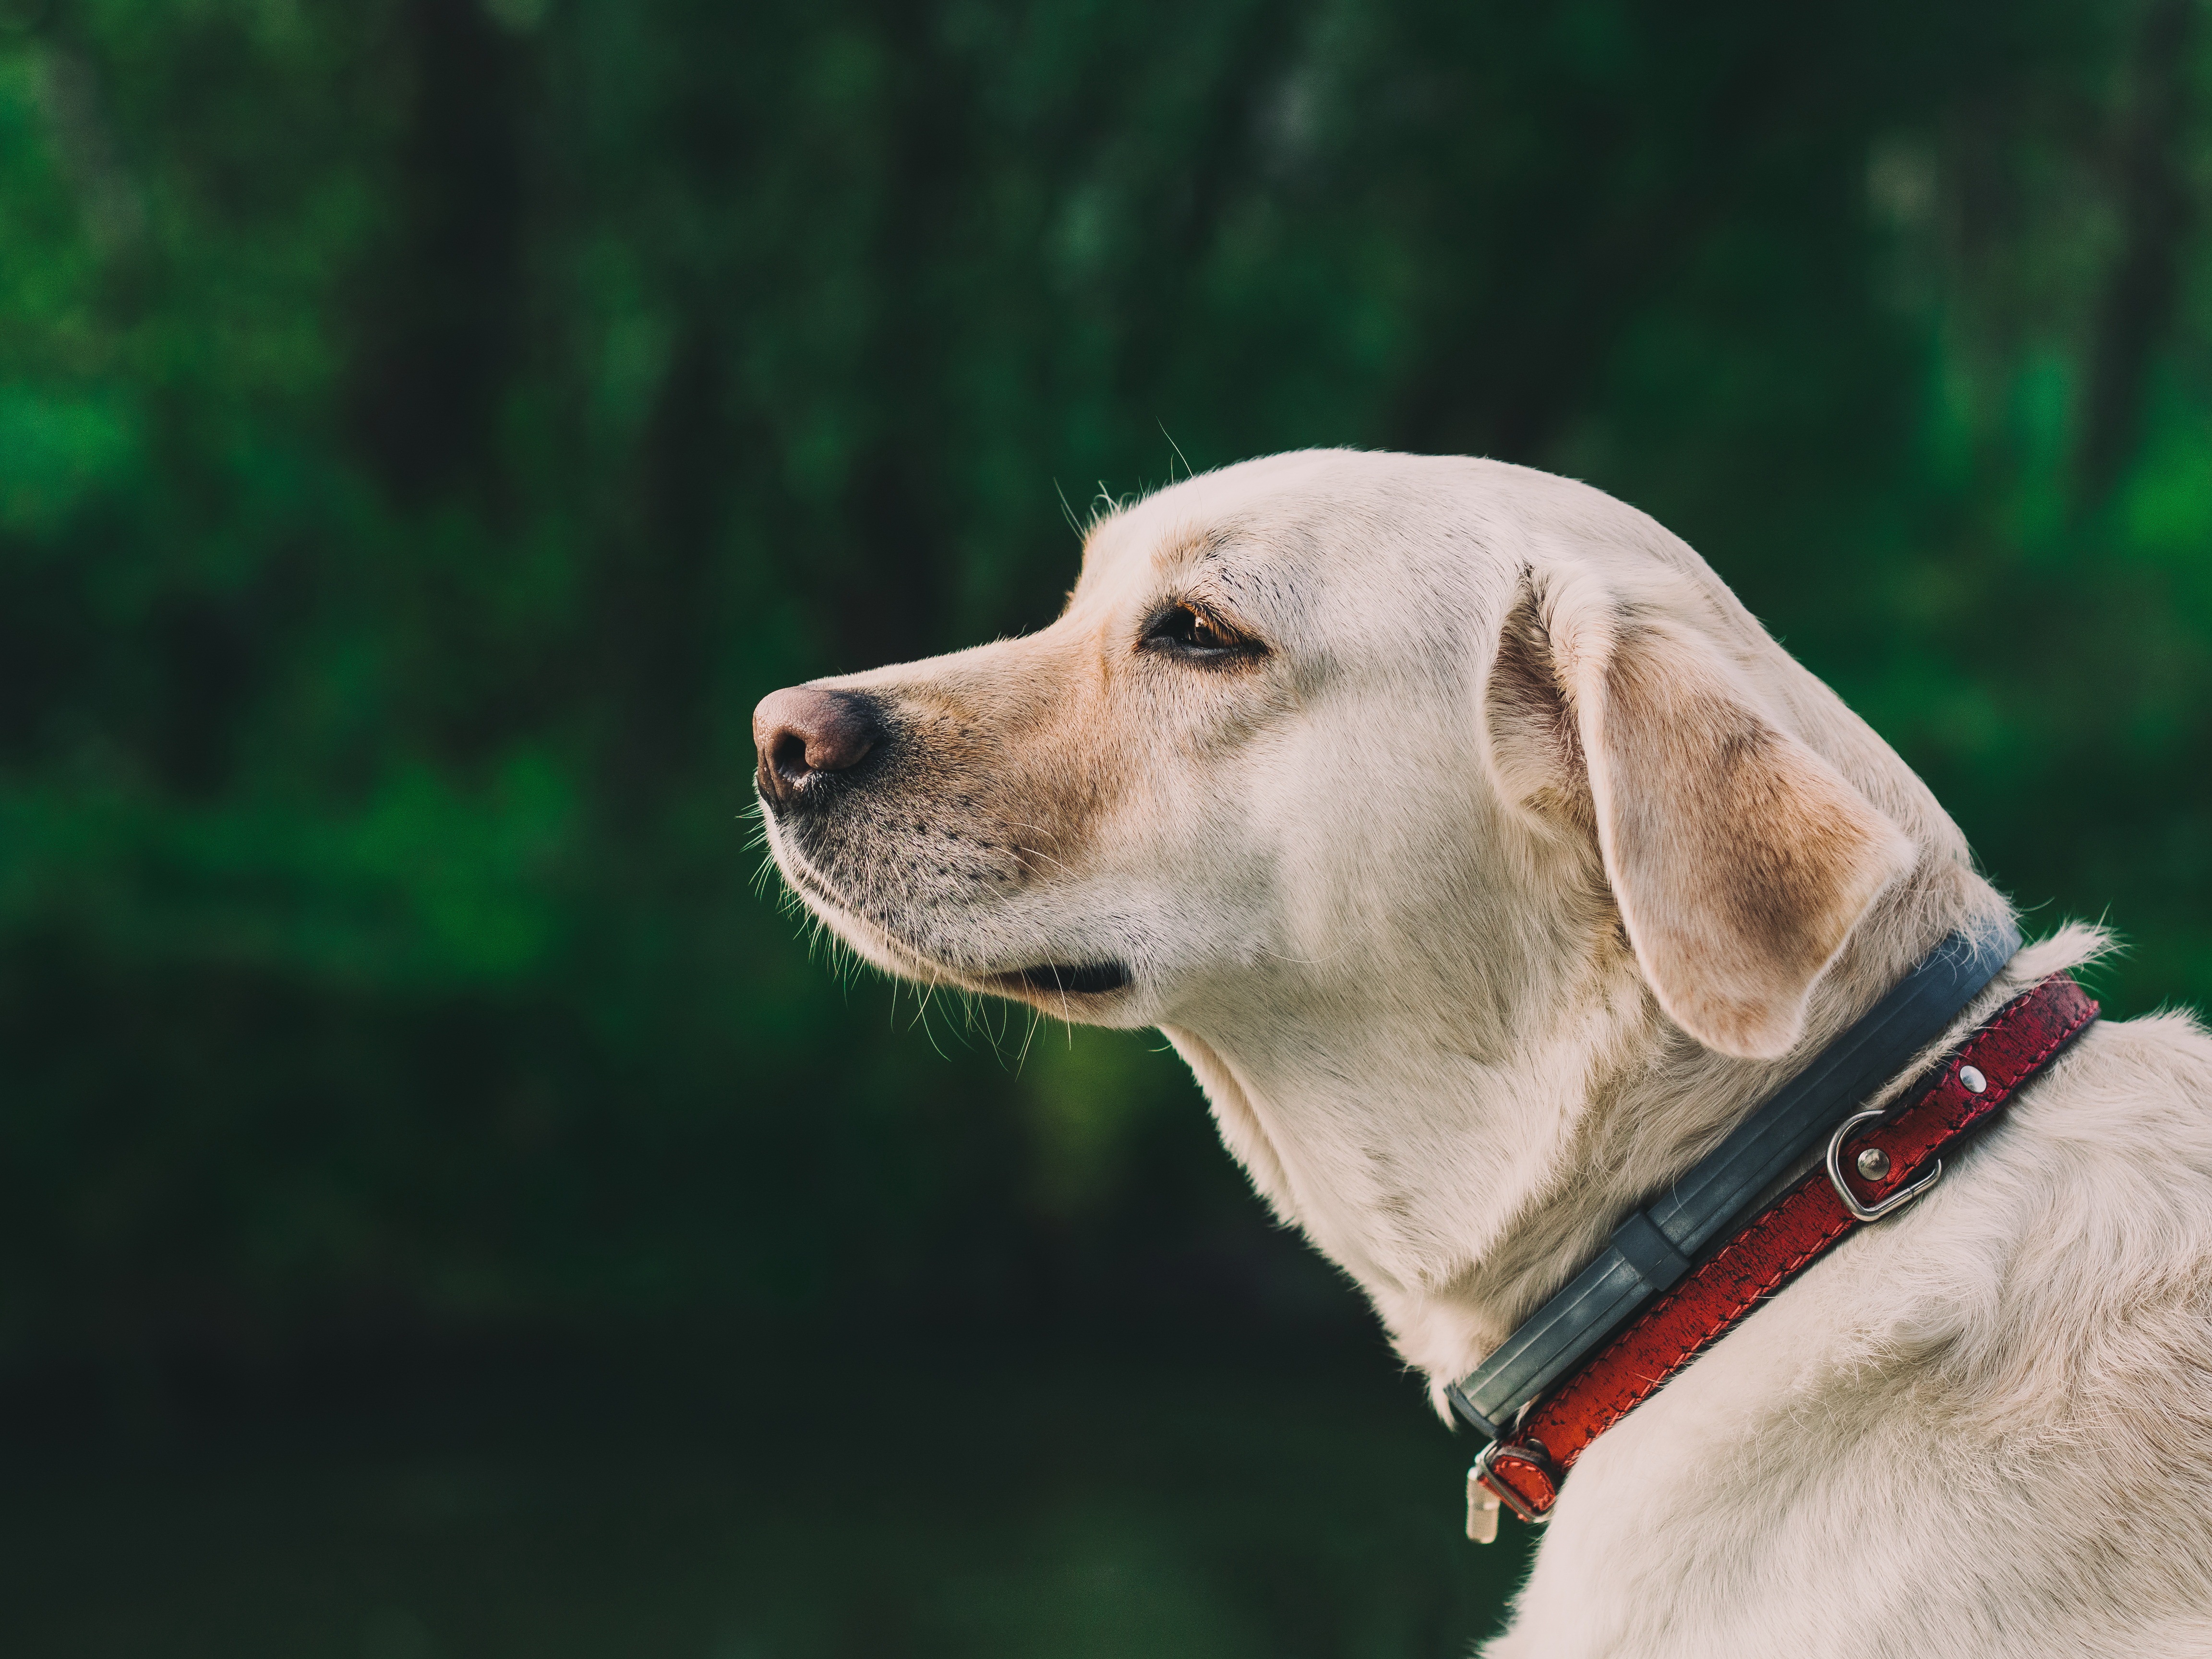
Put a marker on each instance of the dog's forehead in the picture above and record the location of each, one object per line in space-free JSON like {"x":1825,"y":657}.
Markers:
{"x":1415,"y":542}
{"x":1282,"y":515}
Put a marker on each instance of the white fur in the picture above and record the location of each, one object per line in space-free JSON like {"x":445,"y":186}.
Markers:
{"x":1459,"y":997}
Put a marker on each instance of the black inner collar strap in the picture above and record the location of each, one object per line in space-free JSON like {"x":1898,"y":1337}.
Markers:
{"x":1656,"y":1245}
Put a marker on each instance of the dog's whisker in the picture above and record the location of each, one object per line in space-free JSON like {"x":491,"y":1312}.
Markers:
{"x":1029,"y":1036}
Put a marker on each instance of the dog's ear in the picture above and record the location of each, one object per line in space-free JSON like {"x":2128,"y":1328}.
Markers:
{"x":1739,"y":859}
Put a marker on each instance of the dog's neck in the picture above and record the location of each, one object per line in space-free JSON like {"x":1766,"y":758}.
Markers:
{"x":1460,"y":1183}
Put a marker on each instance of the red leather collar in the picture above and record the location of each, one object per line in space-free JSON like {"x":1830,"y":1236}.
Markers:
{"x":1523,"y":1470}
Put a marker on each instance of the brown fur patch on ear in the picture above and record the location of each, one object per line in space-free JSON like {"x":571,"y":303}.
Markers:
{"x":1535,"y":753}
{"x":1741,"y":859}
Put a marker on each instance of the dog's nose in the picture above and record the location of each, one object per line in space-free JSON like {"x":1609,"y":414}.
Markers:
{"x":802,"y":733}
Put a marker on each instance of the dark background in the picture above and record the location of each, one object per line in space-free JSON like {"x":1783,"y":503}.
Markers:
{"x":443,"y":1208}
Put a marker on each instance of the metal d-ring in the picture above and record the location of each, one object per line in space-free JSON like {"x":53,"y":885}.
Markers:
{"x":1896,"y":1200}
{"x":1530,"y":1452}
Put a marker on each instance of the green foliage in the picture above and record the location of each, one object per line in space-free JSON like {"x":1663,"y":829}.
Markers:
{"x":425,"y":429}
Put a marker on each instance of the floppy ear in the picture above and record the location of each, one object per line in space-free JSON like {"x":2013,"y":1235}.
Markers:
{"x":1739,"y":859}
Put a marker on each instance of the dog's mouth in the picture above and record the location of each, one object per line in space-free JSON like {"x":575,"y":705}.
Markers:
{"x":1049,"y":979}
{"x":1086,"y":979}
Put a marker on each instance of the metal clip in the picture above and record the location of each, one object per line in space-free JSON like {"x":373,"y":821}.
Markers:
{"x":1896,"y":1200}
{"x":1481,"y":1510}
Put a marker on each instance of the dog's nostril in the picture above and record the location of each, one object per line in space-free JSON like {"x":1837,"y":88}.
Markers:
{"x":790,"y":757}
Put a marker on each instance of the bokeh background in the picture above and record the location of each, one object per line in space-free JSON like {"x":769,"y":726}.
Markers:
{"x":444,"y":1210}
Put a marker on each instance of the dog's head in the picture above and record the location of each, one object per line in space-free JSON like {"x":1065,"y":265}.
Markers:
{"x":1310,"y":715}
{"x":1367,"y":777}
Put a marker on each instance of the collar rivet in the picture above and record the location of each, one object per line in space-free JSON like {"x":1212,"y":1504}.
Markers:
{"x":1874,"y":1164}
{"x":1972,"y":1080}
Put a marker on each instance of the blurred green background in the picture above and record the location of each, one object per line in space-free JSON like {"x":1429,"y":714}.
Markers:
{"x":443,"y":1209}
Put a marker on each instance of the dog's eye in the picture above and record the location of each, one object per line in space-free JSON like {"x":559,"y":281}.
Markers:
{"x":1187,"y":631}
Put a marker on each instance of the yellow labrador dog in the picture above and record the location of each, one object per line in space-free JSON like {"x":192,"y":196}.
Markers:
{"x":1488,"y":862}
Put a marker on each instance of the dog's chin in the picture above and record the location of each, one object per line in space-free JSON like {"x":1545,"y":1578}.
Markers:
{"x":875,"y":944}
{"x":1091,"y":990}
{"x":1060,"y":987}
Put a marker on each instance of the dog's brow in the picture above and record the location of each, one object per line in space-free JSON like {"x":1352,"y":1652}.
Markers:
{"x":1190,"y":546}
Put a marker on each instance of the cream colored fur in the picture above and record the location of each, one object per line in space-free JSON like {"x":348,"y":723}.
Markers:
{"x":1517,"y":869}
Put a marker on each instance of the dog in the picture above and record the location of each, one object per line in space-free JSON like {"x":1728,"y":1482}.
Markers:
{"x":1487,"y":861}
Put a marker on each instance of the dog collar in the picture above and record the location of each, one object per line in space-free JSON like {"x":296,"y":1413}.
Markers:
{"x":1643,"y":1291}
